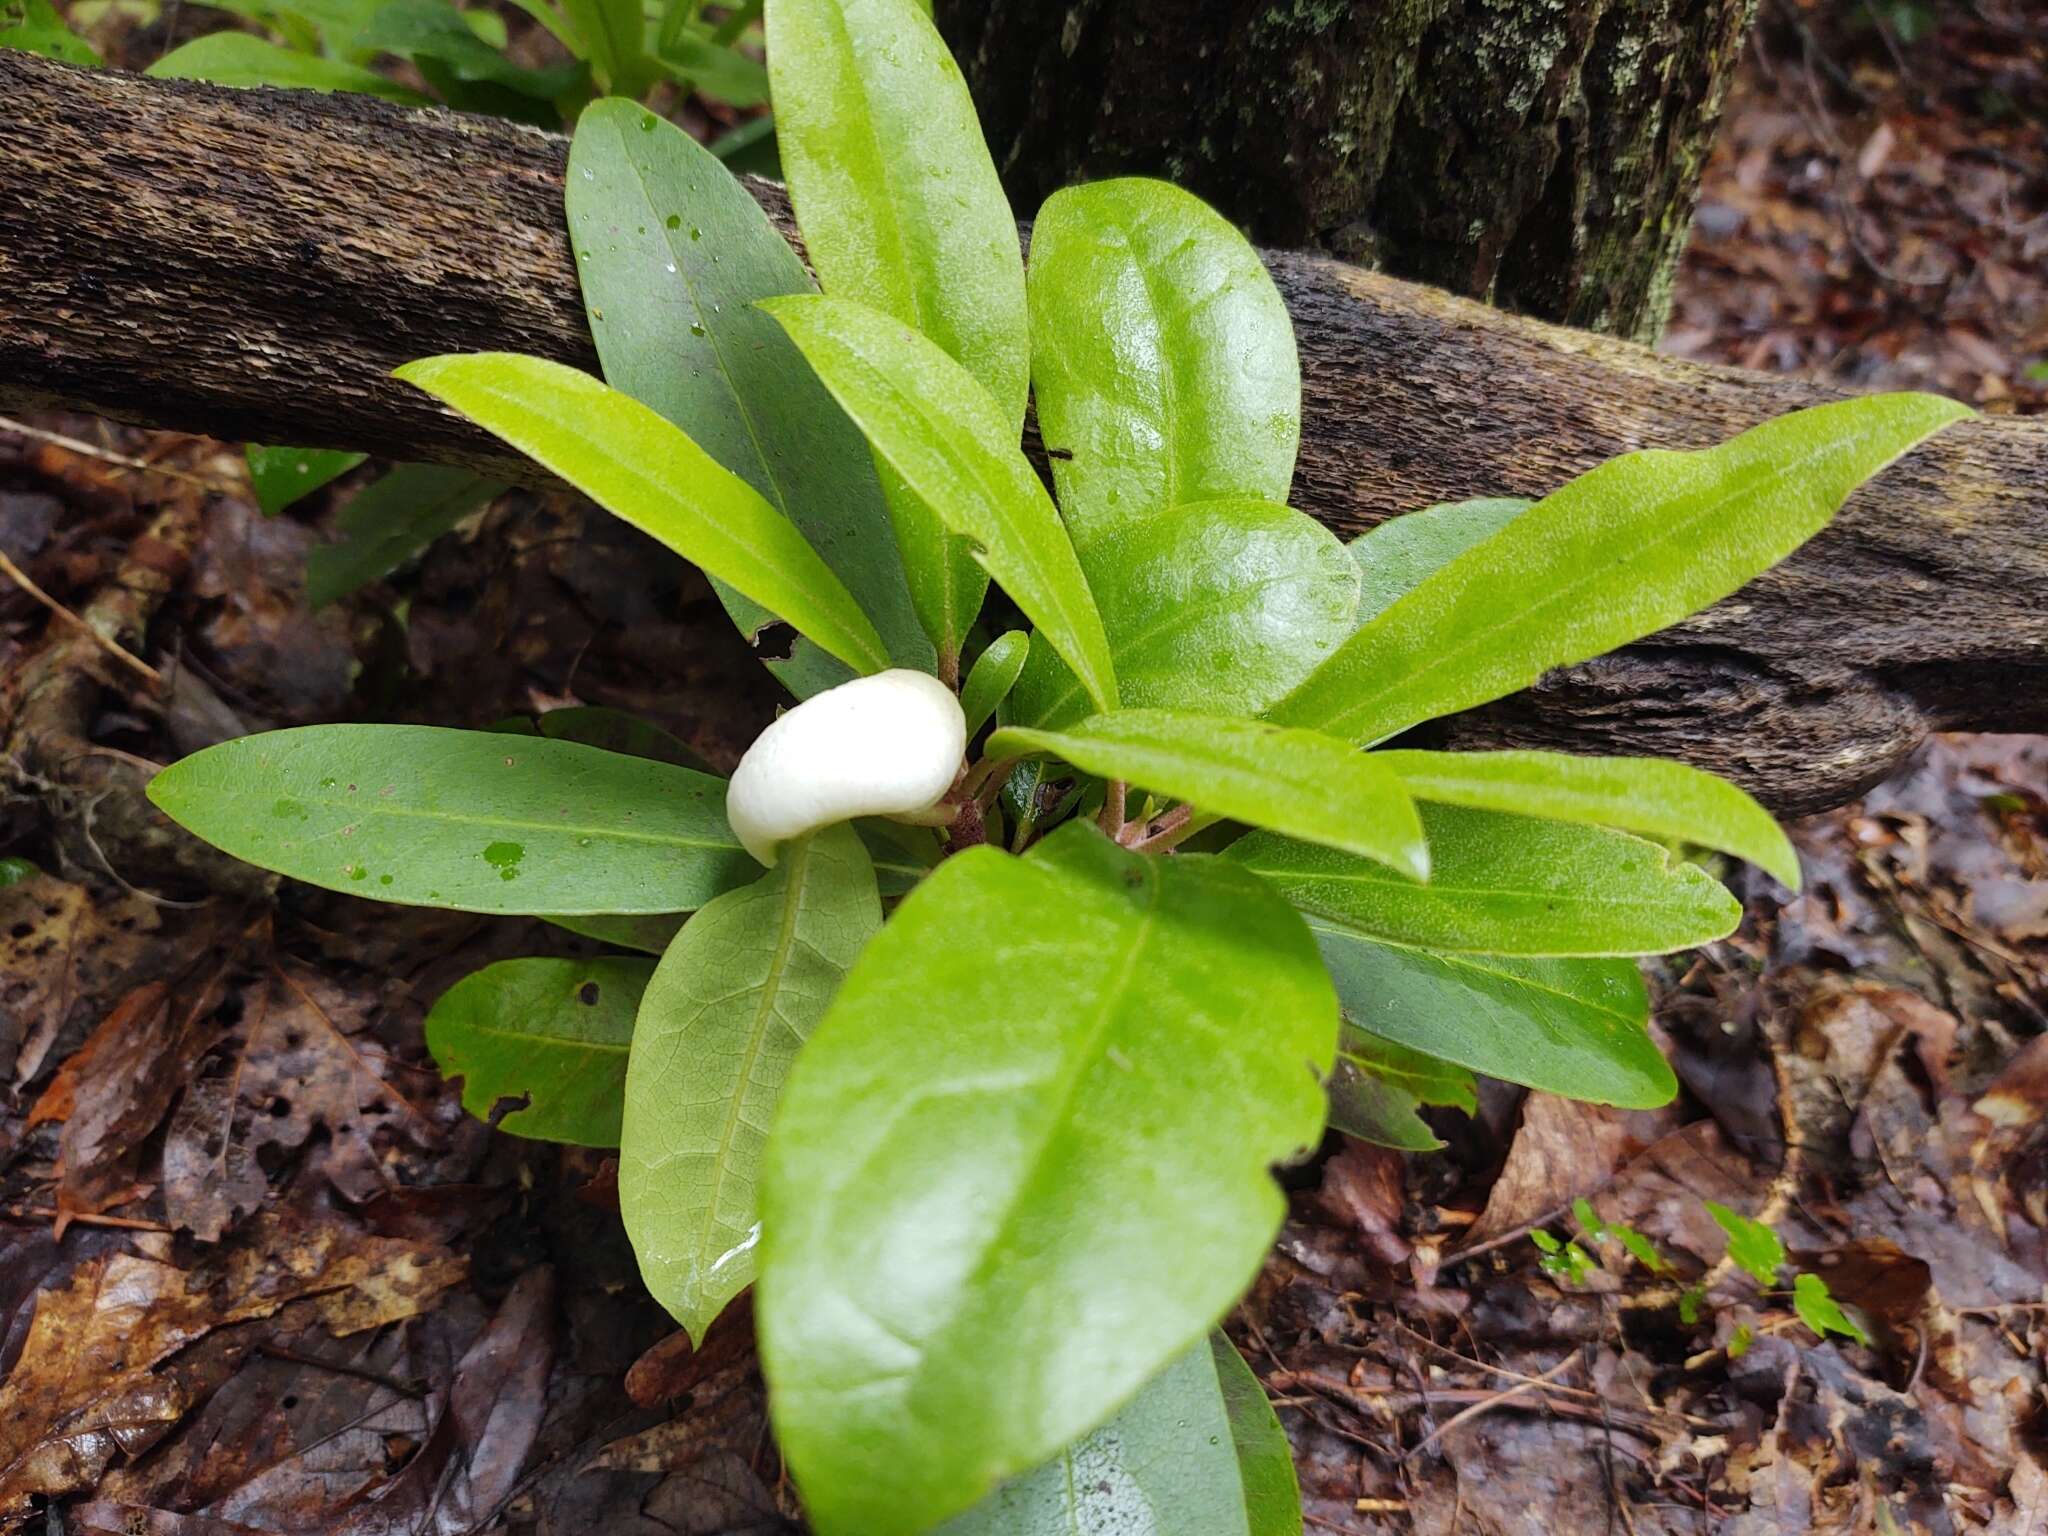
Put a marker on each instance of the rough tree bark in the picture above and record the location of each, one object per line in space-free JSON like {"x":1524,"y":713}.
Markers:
{"x":1544,"y":155}
{"x":253,"y":264}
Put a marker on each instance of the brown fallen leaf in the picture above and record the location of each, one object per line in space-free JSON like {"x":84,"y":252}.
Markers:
{"x":64,"y":950}
{"x":1363,"y":1188}
{"x":1563,"y":1149}
{"x":672,"y":1368}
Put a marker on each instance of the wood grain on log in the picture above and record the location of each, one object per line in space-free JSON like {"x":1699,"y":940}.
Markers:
{"x":252,"y":264}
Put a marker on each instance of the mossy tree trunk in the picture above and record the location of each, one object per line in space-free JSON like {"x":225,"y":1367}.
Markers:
{"x":1540,"y":154}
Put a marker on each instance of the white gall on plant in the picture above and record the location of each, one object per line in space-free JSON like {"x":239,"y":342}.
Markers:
{"x":887,"y":745}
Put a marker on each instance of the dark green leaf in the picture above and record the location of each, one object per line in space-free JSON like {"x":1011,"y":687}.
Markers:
{"x":734,"y":998}
{"x":1379,"y":1084}
{"x":970,"y":1254}
{"x":389,"y":521}
{"x":1507,"y":885}
{"x":649,"y":473}
{"x":650,"y":933}
{"x":473,"y":820}
{"x":994,"y":674}
{"x":617,"y":731}
{"x":553,"y":1032}
{"x":281,"y":476}
{"x":1621,"y":552}
{"x":672,"y":253}
{"x":242,"y":59}
{"x":1163,"y":362}
{"x":1394,"y":558}
{"x":1571,"y":1027}
{"x":434,"y":29}
{"x":1265,"y":1461}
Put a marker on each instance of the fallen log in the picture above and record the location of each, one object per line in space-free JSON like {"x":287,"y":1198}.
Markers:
{"x":252,"y":264}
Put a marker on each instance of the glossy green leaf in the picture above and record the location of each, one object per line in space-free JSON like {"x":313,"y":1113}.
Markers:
{"x":1507,"y":885}
{"x":932,"y":424}
{"x":243,"y":59}
{"x":649,"y":932}
{"x":672,"y":252}
{"x":1221,"y":606}
{"x":1671,"y":802}
{"x":553,"y":1032}
{"x":473,"y":820}
{"x":1619,"y":553}
{"x":1295,"y":782}
{"x":389,"y":521}
{"x":1577,"y":1027}
{"x":1378,"y":1085}
{"x":435,"y":30}
{"x":1163,"y":361}
{"x":1023,"y":1165}
{"x":647,"y":472}
{"x":1167,"y":1464}
{"x":1394,"y":557}
{"x":281,"y":476}
{"x":901,"y":210}
{"x":734,"y":998}
{"x":1752,"y":1245}
{"x":1818,"y":1309}
{"x":993,"y":675}
{"x":34,"y":26}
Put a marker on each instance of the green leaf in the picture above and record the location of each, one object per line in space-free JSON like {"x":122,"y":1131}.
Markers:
{"x":957,"y":449}
{"x":902,"y":855}
{"x":1167,"y":1464}
{"x":1295,"y":782}
{"x":1573,"y":1027}
{"x":34,"y":26}
{"x":1507,"y":885}
{"x":1163,"y":361}
{"x":651,"y":932}
{"x":1818,"y":1309}
{"x":1672,"y":802}
{"x":434,"y":30}
{"x":1394,"y":558}
{"x":901,"y":210}
{"x":1752,"y":1245}
{"x":994,"y":674}
{"x":613,"y":34}
{"x":389,"y":521}
{"x":1378,"y":1085}
{"x":473,"y":820}
{"x":553,"y":1032}
{"x":972,"y":1252}
{"x":672,"y":252}
{"x":241,"y":59}
{"x":1221,"y":606}
{"x":1621,"y":552}
{"x":699,"y":61}
{"x":649,"y":473}
{"x":617,"y":731}
{"x":730,"y":1004}
{"x":281,"y":476}
{"x":1265,"y":1460}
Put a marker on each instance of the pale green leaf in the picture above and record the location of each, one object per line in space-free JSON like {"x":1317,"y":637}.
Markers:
{"x":1752,"y":1245}
{"x":672,"y":253}
{"x":1221,"y":606}
{"x":1572,"y":1027}
{"x":1394,"y":557}
{"x":389,"y":521}
{"x":956,"y":448}
{"x":1295,"y":782}
{"x":1163,"y":362}
{"x":1818,"y":1309}
{"x":281,"y":476}
{"x":1671,"y":802}
{"x":34,"y":26}
{"x":993,"y":675}
{"x":553,"y":1032}
{"x":1507,"y":885}
{"x":647,"y":472}
{"x":243,"y":59}
{"x":971,"y":1254}
{"x":1619,"y":553}
{"x":734,"y":998}
{"x":473,"y":820}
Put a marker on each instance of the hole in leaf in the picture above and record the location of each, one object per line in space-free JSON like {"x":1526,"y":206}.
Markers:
{"x":775,"y":641}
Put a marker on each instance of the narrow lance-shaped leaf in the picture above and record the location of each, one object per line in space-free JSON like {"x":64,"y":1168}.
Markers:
{"x":970,"y":1255}
{"x":734,"y":998}
{"x":954,"y":446}
{"x":1622,"y":551}
{"x":1162,"y":361}
{"x":389,"y":521}
{"x":553,"y":1032}
{"x":241,"y":59}
{"x":1265,"y":1460}
{"x":473,"y":820}
{"x":672,"y":253}
{"x":1672,"y":802}
{"x":1394,"y":558}
{"x":1295,"y":782}
{"x":993,"y":675}
{"x":1507,"y":885}
{"x":647,"y":472}
{"x":901,"y":210}
{"x":1378,"y":1085}
{"x":1577,"y":1027}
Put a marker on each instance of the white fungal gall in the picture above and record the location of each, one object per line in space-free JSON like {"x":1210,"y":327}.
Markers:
{"x":887,"y":745}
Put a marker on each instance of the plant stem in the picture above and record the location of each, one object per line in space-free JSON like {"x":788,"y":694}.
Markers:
{"x":1161,"y":833}
{"x":1115,"y":793}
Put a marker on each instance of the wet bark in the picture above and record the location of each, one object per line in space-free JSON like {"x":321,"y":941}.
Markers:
{"x":1543,"y":155}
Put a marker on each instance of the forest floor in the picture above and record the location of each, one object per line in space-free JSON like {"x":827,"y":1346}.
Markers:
{"x":258,"y":1271}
